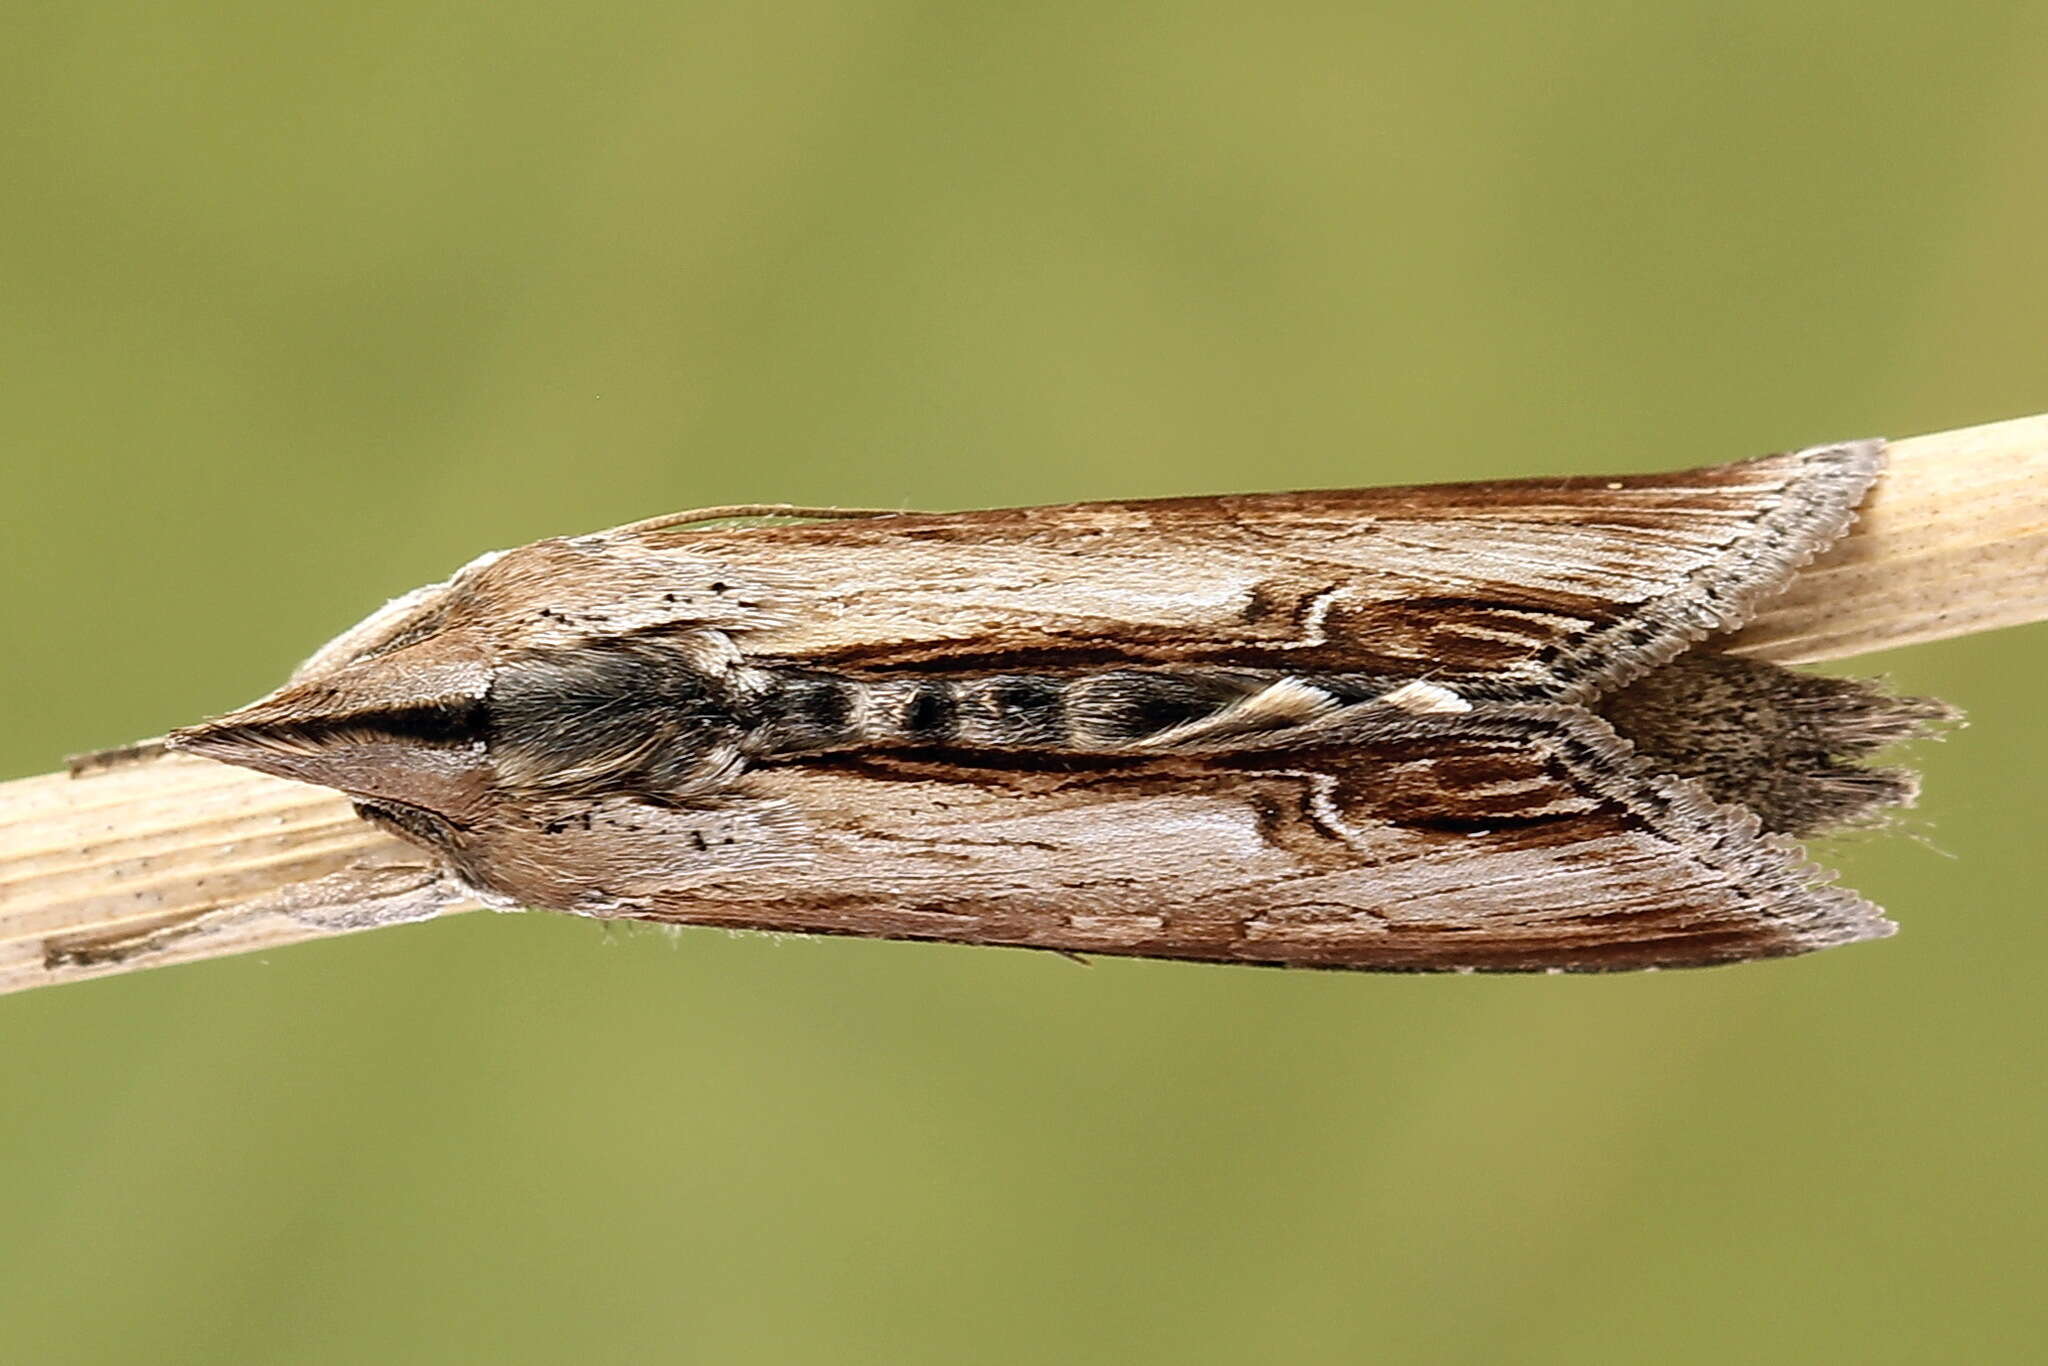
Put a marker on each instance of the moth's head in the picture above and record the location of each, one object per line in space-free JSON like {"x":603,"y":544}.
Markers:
{"x":403,"y":733}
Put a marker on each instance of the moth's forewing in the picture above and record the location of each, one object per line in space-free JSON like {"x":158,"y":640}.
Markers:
{"x":1520,"y":843}
{"x":1529,"y":588}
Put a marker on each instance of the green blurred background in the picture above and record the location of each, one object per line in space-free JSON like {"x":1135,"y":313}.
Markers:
{"x":301,"y":305}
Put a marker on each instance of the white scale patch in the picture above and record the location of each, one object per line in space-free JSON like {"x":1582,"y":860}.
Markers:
{"x":1426,"y":699}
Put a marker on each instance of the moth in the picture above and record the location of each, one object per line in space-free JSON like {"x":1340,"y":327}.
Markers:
{"x":1454,"y":727}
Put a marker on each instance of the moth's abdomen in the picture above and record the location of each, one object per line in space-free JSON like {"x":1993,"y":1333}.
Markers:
{"x":649,"y":717}
{"x":799,"y":712}
{"x":637,"y":715}
{"x":1113,"y":711}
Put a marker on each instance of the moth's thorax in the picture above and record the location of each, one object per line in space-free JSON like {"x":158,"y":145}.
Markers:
{"x":635,"y":715}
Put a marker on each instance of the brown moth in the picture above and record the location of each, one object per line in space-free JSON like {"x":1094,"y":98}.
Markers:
{"x":1474,"y":726}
